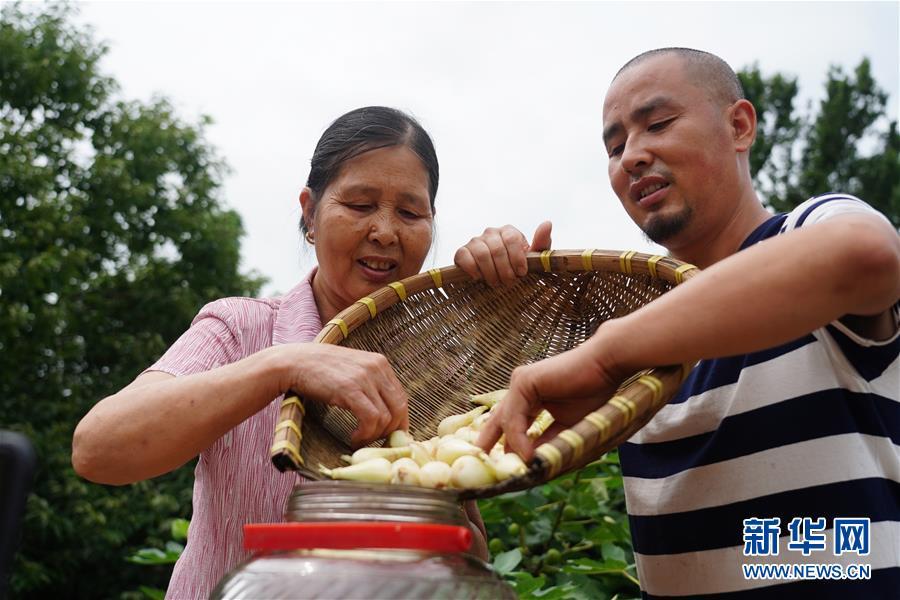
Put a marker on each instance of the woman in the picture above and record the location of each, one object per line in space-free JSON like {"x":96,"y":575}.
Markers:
{"x":368,"y":209}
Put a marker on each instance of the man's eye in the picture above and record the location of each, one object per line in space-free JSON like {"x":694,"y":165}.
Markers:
{"x":409,"y":214}
{"x":660,"y":125}
{"x":616,"y":150}
{"x":359,"y":207}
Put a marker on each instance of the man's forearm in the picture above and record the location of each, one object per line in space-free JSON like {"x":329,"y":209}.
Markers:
{"x":766,"y":295}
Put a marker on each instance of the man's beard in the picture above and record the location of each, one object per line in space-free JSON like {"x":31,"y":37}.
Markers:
{"x":660,"y":228}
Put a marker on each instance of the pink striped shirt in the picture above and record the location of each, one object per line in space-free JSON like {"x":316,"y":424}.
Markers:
{"x":235,"y":483}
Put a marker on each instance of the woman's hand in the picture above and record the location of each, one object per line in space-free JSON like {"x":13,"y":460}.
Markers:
{"x":498,"y":255}
{"x":362,"y":382}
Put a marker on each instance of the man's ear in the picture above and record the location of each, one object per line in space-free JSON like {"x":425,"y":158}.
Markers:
{"x":743,"y":124}
{"x":307,"y":205}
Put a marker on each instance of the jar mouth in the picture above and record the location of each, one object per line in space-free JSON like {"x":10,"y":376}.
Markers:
{"x":339,"y":501}
{"x":354,"y":535}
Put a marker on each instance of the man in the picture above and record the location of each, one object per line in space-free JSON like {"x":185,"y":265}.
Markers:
{"x":793,"y":411}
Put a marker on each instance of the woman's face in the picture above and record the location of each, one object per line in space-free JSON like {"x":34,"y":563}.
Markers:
{"x":371,"y":226}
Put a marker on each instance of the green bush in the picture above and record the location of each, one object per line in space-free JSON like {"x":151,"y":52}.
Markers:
{"x":567,"y":539}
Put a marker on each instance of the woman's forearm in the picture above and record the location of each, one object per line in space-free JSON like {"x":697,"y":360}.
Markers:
{"x":160,"y":422}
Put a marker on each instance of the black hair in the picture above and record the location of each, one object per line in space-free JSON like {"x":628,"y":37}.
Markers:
{"x":708,"y":69}
{"x":362,"y":130}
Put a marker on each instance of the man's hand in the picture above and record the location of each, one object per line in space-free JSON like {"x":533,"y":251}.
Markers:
{"x":569,"y":386}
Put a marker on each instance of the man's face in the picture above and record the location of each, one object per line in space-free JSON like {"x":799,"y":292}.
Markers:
{"x":671,"y":155}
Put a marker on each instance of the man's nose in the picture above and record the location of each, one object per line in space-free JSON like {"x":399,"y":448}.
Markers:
{"x":635,"y":157}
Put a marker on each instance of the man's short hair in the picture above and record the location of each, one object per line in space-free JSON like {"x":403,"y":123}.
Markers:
{"x":708,"y":70}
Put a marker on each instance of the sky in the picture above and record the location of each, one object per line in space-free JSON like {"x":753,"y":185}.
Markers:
{"x":511,"y":93}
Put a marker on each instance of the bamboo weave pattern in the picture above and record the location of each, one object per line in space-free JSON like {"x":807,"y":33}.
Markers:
{"x":448,"y":337}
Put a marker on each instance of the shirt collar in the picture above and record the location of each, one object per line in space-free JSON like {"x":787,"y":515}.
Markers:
{"x":297,"y":317}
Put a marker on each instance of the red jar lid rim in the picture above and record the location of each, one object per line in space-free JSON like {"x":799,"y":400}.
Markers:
{"x":352,"y":535}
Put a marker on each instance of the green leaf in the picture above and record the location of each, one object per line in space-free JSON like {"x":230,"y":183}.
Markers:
{"x":174,"y":548}
{"x":587,"y":566}
{"x":179,"y":529}
{"x":149,"y":556}
{"x":555,"y":593}
{"x":507,"y":561}
{"x":613,"y":552}
{"x":152,"y":593}
{"x":524,"y":583}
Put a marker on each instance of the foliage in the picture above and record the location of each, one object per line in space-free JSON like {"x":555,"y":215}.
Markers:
{"x":568,"y":538}
{"x":797,"y":156}
{"x":112,"y":236}
{"x":166,"y":556}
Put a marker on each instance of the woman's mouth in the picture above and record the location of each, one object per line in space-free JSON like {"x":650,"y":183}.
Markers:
{"x":377,"y":269}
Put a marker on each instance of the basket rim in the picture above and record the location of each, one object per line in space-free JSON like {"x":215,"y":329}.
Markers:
{"x":549,"y":261}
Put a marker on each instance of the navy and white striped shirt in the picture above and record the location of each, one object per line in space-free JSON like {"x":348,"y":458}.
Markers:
{"x":810,"y":428}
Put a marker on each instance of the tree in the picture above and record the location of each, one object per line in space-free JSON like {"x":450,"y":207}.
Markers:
{"x":797,"y":156}
{"x":112,"y":236}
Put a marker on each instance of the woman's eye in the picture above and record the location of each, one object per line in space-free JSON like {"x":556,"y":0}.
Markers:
{"x":660,"y":125}
{"x":409,"y":214}
{"x":358,"y":207}
{"x":616,"y":150}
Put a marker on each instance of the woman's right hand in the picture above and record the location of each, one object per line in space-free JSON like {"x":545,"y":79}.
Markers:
{"x":362,"y":382}
{"x":497,"y":256}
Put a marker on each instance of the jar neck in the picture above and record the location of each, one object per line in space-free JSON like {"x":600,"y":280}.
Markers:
{"x":329,"y":501}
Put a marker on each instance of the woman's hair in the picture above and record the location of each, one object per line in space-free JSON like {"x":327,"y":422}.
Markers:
{"x":360,"y":131}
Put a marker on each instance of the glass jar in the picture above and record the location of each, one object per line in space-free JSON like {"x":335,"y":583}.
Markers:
{"x":345,"y":539}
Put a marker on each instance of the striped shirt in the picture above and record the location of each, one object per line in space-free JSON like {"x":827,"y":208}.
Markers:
{"x":235,"y":482}
{"x":810,"y":428}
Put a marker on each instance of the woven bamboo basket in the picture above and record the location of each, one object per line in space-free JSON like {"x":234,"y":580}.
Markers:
{"x":448,"y":337}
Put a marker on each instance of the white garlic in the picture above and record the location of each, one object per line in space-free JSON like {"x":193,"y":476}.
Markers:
{"x":470,"y":472}
{"x":405,"y":471}
{"x":421,"y":452}
{"x":399,"y":438}
{"x":364,"y":454}
{"x":450,"y":424}
{"x":434,"y":475}
{"x":377,"y":470}
{"x":489,"y":399}
{"x":508,"y":465}
{"x":451,"y":449}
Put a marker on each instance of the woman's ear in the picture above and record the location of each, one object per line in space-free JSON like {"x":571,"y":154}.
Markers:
{"x":307,"y":205}
{"x":743,"y":124}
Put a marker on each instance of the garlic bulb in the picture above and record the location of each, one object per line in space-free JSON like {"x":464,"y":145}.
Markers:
{"x":434,"y":475}
{"x":421,"y":452}
{"x":497,"y":452}
{"x":466,"y":434}
{"x":377,"y":470}
{"x":480,"y":420}
{"x":508,"y":465}
{"x":399,"y":438}
{"x":450,"y":424}
{"x":470,"y":472}
{"x":405,"y":471}
{"x":540,"y":425}
{"x":451,"y":449}
{"x":489,"y":399}
{"x":391,"y":454}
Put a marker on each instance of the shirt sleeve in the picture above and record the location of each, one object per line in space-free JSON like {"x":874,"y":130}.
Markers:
{"x":210,"y":342}
{"x":869,"y":357}
{"x":827,"y":206}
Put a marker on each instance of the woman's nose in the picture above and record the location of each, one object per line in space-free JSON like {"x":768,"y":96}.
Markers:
{"x":383,"y":229}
